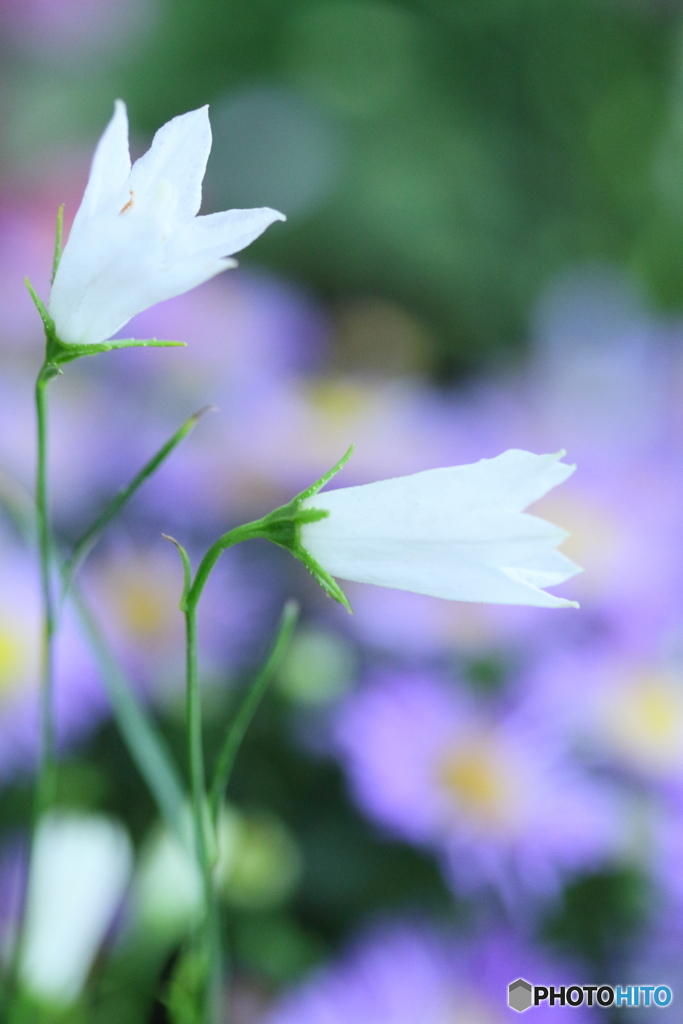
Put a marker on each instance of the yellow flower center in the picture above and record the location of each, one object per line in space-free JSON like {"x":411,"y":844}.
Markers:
{"x":142,"y":596}
{"x":478,"y":783}
{"x":643,"y":719}
{"x":18,"y":656}
{"x":340,"y":402}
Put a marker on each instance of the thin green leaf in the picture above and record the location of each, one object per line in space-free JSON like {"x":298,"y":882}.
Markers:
{"x":145,"y":745}
{"x":19,"y":505}
{"x":251,"y":701}
{"x":87,"y":540}
{"x":187,"y":570}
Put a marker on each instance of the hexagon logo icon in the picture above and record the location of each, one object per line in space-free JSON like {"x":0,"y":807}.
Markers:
{"x":519,"y":995}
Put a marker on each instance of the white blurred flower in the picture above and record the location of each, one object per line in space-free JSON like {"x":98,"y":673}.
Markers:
{"x":80,"y":867}
{"x":136,"y":238}
{"x":167,"y":894}
{"x":257,"y":864}
{"x":460,"y":533}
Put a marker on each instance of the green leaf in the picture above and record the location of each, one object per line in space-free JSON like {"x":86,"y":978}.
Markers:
{"x":249,"y":705}
{"x":89,"y":538}
{"x":185,"y":999}
{"x":145,"y":745}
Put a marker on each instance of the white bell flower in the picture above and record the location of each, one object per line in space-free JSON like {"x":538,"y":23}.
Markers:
{"x":80,"y":867}
{"x":136,"y":238}
{"x":459,"y":533}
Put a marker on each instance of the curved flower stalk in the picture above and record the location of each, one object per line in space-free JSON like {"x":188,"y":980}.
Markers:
{"x":136,"y":238}
{"x":460,"y":533}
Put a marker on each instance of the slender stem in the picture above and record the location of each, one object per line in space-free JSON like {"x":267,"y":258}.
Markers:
{"x":46,"y":768}
{"x":208,"y":933}
{"x":208,"y":936}
{"x":249,"y":705}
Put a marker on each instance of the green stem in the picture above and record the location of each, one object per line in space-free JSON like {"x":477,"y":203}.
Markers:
{"x":249,"y":705}
{"x":46,"y":768}
{"x":247,"y":532}
{"x":208,"y":932}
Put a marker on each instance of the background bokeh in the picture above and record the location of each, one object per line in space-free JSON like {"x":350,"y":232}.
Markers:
{"x":484,"y":249}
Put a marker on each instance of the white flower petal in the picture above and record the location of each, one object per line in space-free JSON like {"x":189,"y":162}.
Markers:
{"x":131,"y":285}
{"x":458,"y":533}
{"x":110,"y":166}
{"x":80,"y":866}
{"x":178,"y":155}
{"x":222,"y":234}
{"x":89,"y":245}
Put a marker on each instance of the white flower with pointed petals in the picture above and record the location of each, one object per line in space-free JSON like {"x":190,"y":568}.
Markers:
{"x":136,"y":238}
{"x":460,"y":533}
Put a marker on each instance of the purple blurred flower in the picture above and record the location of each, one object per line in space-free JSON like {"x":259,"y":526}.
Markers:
{"x":26,"y":240}
{"x":656,"y":960}
{"x":64,"y":29}
{"x":601,"y":369}
{"x":624,"y":709}
{"x":407,"y":974}
{"x":500,"y":802}
{"x":242,"y":331}
{"x":137,"y":592}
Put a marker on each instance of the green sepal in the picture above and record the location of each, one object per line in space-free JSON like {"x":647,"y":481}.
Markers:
{"x":58,"y":242}
{"x":58,"y":352}
{"x":48,"y":322}
{"x":283,"y":527}
{"x":319,"y":484}
{"x":67,"y":353}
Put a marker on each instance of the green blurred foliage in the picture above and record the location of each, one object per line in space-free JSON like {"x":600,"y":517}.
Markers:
{"x":600,"y":914}
{"x":479,"y":146}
